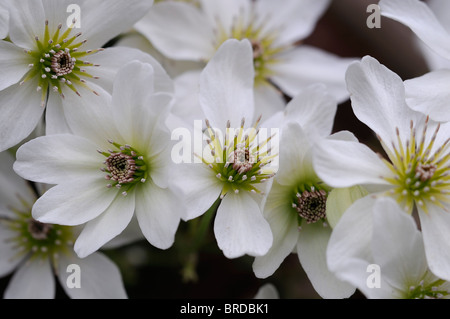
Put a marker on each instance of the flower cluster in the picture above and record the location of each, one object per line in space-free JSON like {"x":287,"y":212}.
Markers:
{"x":125,"y":124}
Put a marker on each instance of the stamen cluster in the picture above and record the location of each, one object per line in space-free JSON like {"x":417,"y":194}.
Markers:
{"x":125,"y":167}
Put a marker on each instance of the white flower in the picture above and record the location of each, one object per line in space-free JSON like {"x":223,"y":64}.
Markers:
{"x":416,"y":173}
{"x":236,"y":163}
{"x":385,"y":257}
{"x":116,"y":164}
{"x":296,"y":209}
{"x":46,"y":59}
{"x":185,"y":32}
{"x":36,"y":251}
{"x":267,"y":291}
{"x":429,"y":93}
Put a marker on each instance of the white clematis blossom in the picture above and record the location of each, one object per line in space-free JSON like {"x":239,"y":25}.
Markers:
{"x":51,"y":55}
{"x":194,"y":33}
{"x":416,"y":171}
{"x":236,"y":163}
{"x":429,"y":93}
{"x":296,"y":206}
{"x":385,"y":258}
{"x":116,"y":164}
{"x":36,"y":252}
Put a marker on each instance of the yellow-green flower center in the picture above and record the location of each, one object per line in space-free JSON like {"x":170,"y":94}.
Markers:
{"x":421,"y":173}
{"x":57,"y":62}
{"x":265,"y":50}
{"x":241,"y":160}
{"x":39,"y":240}
{"x":125,"y":167}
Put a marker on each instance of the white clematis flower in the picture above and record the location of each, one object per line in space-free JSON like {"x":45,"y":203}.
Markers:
{"x":416,"y":171}
{"x":36,"y":251}
{"x":236,"y":163}
{"x":186,"y":32}
{"x":296,"y":209}
{"x":385,"y":258}
{"x":51,"y":55}
{"x":429,"y":93}
{"x":116,"y":164}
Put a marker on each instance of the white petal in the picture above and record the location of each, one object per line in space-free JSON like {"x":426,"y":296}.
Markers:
{"x":48,"y":159}
{"x":311,"y":249}
{"x":27,"y":20}
{"x":346,"y":163}
{"x":158,"y":212}
{"x":199,"y":188}
{"x":294,"y":20}
{"x":179,"y":30}
{"x":429,"y":94}
{"x":422,"y":21}
{"x":132,"y":233}
{"x":55,"y":119}
{"x":16,"y":186}
{"x":295,"y":156}
{"x":9,"y":260}
{"x":306,"y":65}
{"x":74,"y":202}
{"x":226,"y":85}
{"x":13,"y":63}
{"x":349,"y":247}
{"x":113,"y":58}
{"x":100,"y":19}
{"x":314,"y":109}
{"x":378,"y":99}
{"x":20,"y":112}
{"x":105,"y":227}
{"x":100,"y":278}
{"x":186,"y":104}
{"x":92,"y":118}
{"x":284,"y":226}
{"x":268,"y":101}
{"x":397,"y":245}
{"x":436,"y":236}
{"x":268,"y":291}
{"x":223,"y":14}
{"x":240,"y":227}
{"x":4,"y":21}
{"x":33,"y":280}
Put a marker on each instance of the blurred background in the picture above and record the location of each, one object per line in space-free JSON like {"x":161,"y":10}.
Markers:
{"x":176,"y":273}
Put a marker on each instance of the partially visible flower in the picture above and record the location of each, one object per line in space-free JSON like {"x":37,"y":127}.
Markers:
{"x":236,"y":164}
{"x":429,"y":93}
{"x":36,"y":251}
{"x":116,"y":163}
{"x":296,"y":209}
{"x":48,"y":57}
{"x":186,"y":32}
{"x":385,"y":257}
{"x":416,"y":170}
{"x":267,"y":291}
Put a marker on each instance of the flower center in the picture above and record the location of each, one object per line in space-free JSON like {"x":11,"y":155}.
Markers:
{"x":310,"y":202}
{"x":125,"y":167}
{"x":62,"y":63}
{"x":431,"y":291}
{"x":264,"y":49}
{"x":39,"y":230}
{"x":57,"y":62}
{"x":311,"y":206}
{"x":33,"y":237}
{"x":242,"y":160}
{"x":421,"y":174}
